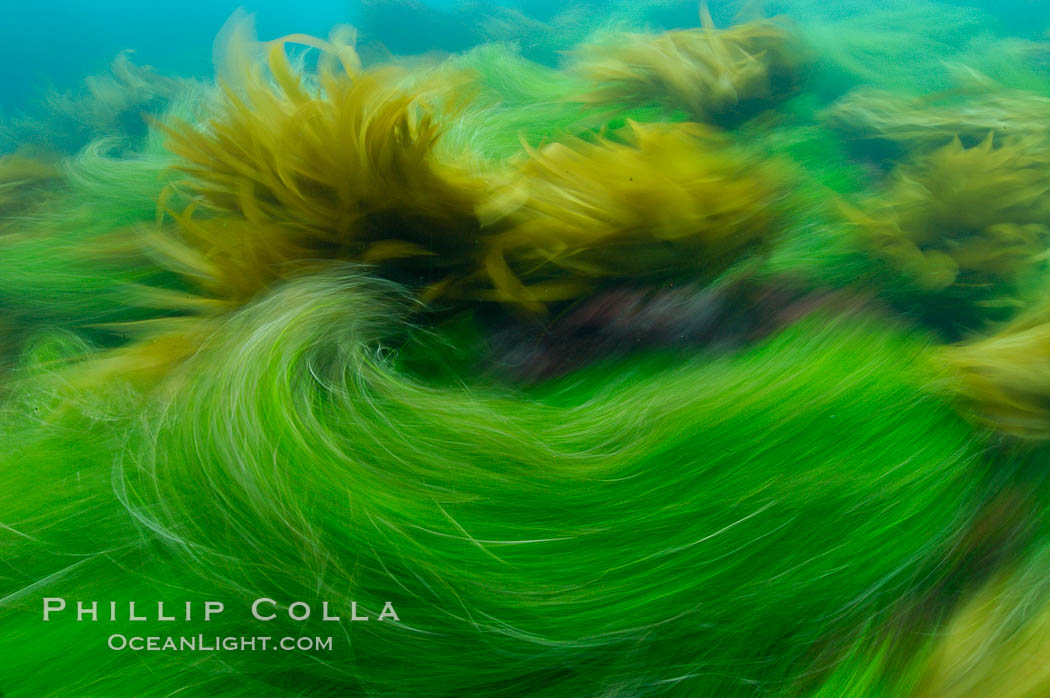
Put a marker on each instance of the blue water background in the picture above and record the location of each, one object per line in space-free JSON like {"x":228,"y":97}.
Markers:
{"x":56,"y":44}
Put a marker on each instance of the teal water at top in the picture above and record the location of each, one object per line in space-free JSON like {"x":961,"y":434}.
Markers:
{"x":53,"y":45}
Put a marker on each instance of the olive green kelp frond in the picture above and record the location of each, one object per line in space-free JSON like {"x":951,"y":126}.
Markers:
{"x":968,"y":225}
{"x":294,"y":167}
{"x":716,"y":75}
{"x":298,"y":167}
{"x":334,"y":164}
{"x":343,"y":164}
{"x":994,"y":642}
{"x":924,"y":123}
{"x":666,"y":200}
{"x":997,"y":644}
{"x":1006,"y":376}
{"x":23,"y":177}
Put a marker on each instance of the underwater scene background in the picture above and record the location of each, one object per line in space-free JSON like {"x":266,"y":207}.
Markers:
{"x":525,"y":349}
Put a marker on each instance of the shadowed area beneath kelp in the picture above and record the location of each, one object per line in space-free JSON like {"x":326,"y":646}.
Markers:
{"x":699,"y":361}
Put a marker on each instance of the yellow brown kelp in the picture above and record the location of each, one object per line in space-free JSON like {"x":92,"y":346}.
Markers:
{"x":996,"y":645}
{"x":923,"y":123}
{"x":968,"y":222}
{"x":660,"y":201}
{"x":994,"y":641}
{"x":1006,"y":376}
{"x":24,"y":176}
{"x":715,"y":75}
{"x":296,"y":168}
{"x":292,"y":169}
{"x":339,"y":164}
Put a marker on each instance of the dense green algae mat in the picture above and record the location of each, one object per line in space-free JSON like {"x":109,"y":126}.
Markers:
{"x":691,"y":366}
